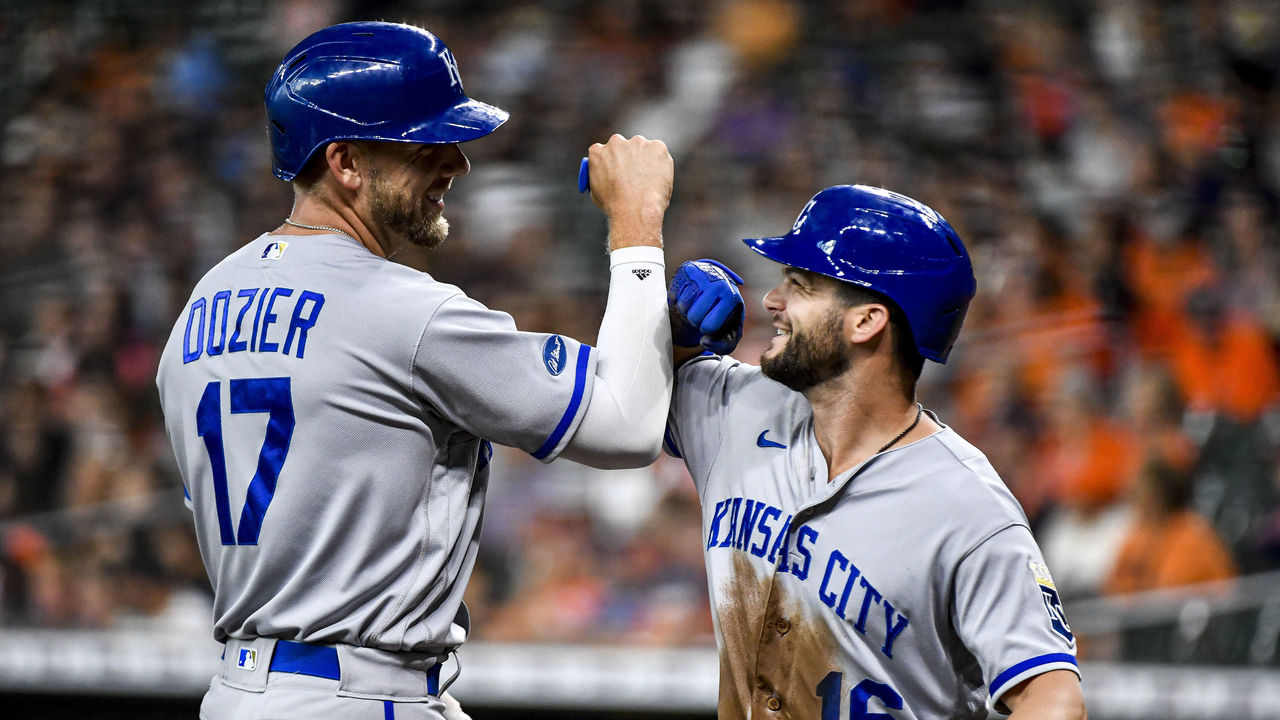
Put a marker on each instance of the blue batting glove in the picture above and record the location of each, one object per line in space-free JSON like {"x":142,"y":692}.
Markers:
{"x":706,"y":307}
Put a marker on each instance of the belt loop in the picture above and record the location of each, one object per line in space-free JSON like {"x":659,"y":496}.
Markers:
{"x":433,"y":680}
{"x":457,"y":661}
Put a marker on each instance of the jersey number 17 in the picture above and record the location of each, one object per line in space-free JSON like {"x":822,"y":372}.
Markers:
{"x":252,"y":395}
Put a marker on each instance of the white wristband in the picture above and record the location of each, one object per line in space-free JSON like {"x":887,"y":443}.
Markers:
{"x":637,"y":254}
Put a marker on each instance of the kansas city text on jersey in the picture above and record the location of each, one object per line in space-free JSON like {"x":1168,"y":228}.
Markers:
{"x":211,"y":329}
{"x":758,"y":528}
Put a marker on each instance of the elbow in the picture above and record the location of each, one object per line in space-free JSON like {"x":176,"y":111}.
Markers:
{"x":621,"y":450}
{"x":645,"y":456}
{"x":646,"y":447}
{"x":619,"y":435}
{"x":636,"y":452}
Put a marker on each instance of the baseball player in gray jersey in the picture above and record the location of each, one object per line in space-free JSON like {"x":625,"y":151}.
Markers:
{"x":332,"y":412}
{"x":864,"y":561}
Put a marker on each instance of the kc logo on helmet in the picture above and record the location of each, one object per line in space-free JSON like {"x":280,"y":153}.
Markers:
{"x":455,"y":78}
{"x":802,"y":217}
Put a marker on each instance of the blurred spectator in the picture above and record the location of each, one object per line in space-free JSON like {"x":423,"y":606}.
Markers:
{"x":1087,"y":462}
{"x":1252,"y":250}
{"x":34,"y":450}
{"x":1224,"y":359}
{"x":1156,"y":411}
{"x":1164,"y":272}
{"x":762,"y":32}
{"x":1087,"y":459}
{"x":559,"y":590}
{"x":1168,"y":545}
{"x":657,"y":581}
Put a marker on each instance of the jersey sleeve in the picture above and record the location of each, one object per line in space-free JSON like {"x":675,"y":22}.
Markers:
{"x":699,"y":407}
{"x":1008,"y":614}
{"x":522,"y":389}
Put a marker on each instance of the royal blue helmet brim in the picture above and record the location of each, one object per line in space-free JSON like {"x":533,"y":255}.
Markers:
{"x":783,"y":250}
{"x":465,"y":121}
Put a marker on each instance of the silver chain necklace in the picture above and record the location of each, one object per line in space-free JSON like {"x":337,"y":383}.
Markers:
{"x":287,"y":221}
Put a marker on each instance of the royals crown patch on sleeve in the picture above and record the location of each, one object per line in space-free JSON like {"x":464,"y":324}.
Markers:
{"x":1052,"y":603}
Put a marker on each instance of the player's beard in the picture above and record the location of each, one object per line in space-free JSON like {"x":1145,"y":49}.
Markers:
{"x":414,"y":219}
{"x":811,"y":358}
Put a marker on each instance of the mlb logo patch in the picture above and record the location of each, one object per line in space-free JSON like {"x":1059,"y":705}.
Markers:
{"x":274,"y":250}
{"x":248,"y":659}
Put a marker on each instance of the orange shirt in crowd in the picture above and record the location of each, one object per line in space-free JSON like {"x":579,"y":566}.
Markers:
{"x":1162,"y":277}
{"x":1091,"y":469}
{"x":1182,"y":549}
{"x":1237,"y":375}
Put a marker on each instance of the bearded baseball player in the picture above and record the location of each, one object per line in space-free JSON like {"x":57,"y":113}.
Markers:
{"x":864,"y":561}
{"x":332,"y":412}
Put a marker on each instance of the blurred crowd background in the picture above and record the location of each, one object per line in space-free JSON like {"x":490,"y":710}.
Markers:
{"x":1113,"y":166}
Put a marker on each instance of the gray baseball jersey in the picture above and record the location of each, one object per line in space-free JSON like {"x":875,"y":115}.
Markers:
{"x":330,"y":412}
{"x":908,"y":588}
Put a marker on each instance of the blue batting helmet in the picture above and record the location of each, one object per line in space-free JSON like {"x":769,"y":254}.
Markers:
{"x":369,"y":81}
{"x":888,"y":243}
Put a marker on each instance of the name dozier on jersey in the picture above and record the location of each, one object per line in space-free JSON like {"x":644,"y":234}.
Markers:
{"x":216,"y":315}
{"x":747,"y":518}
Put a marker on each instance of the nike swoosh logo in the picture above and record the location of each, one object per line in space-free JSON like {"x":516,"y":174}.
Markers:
{"x":762,"y":441}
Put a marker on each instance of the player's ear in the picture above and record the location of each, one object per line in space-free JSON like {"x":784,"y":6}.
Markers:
{"x":347,"y":163}
{"x":865,"y":322}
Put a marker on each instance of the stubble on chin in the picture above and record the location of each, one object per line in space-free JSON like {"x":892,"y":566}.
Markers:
{"x":419,"y":224}
{"x":809,"y":358}
{"x":429,"y":234}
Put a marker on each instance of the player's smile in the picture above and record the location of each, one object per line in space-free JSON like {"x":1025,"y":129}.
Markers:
{"x":407,"y":185}
{"x":433,"y":204}
{"x":787,"y":302}
{"x":808,"y":346}
{"x":779,"y":340}
{"x":432,"y":166}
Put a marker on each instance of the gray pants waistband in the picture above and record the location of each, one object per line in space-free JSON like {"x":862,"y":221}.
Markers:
{"x":363,"y":672}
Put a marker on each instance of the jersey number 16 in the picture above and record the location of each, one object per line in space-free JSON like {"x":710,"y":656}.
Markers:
{"x":859,"y":698}
{"x":254,"y":395}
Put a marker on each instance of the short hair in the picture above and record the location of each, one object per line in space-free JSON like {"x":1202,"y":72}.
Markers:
{"x":313,"y":170}
{"x":910,"y":361}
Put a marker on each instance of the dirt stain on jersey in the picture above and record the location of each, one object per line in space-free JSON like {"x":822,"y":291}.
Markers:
{"x":771,"y":646}
{"x":740,"y":605}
